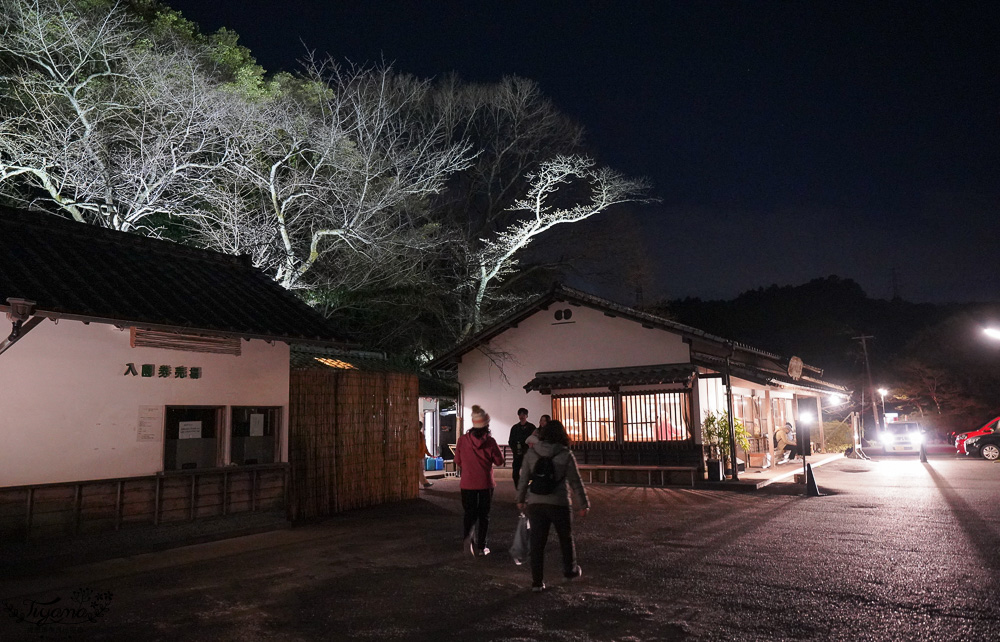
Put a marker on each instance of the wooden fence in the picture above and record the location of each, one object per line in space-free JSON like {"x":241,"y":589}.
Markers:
{"x":78,"y":508}
{"x":353,"y":440}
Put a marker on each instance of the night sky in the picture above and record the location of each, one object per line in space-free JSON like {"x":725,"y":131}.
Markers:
{"x":787,"y":140}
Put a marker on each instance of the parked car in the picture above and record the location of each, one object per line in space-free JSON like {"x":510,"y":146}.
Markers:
{"x":901,"y":437}
{"x":986,"y":429}
{"x":986,"y":445}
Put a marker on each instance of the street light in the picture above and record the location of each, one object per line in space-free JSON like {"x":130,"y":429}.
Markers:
{"x":992,"y":333}
{"x":883,"y":392}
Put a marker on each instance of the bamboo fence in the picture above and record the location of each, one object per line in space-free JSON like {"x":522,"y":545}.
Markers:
{"x":353,"y":440}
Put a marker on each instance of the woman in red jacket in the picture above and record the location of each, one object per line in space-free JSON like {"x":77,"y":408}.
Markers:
{"x":475,"y":455}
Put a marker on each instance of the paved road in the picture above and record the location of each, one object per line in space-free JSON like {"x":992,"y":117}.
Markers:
{"x":897,"y":550}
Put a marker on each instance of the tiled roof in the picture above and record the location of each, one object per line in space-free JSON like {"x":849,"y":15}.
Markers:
{"x":605,"y":377}
{"x":77,"y":271}
{"x":764,"y":375}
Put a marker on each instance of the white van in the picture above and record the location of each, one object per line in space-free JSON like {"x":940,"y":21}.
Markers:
{"x":901,"y":437}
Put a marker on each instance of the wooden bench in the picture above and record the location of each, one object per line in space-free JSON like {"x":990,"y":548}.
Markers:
{"x":649,"y":470}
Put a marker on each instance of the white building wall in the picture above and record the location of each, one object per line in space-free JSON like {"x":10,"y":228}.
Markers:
{"x":541,"y":343}
{"x":68,"y":413}
{"x":712,"y":395}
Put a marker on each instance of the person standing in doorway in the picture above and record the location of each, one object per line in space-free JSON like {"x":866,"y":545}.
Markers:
{"x":548,"y":476}
{"x":519,"y":434}
{"x":476,"y":454}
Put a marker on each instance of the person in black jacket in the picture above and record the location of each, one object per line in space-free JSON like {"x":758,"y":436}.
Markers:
{"x":519,"y":433}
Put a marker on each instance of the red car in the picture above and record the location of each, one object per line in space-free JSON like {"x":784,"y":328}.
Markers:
{"x":985,"y":430}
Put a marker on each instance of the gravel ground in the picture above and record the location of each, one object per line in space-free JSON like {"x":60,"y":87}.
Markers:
{"x":894,"y":550}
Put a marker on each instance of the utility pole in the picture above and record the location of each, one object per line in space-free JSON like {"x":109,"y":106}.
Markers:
{"x":732,"y":419}
{"x":871,"y":386}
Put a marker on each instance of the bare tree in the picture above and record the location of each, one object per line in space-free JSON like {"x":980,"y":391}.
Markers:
{"x":100,"y":125}
{"x":355,"y":185}
{"x":542,"y":209}
{"x":513,"y":127}
{"x":335,"y":193}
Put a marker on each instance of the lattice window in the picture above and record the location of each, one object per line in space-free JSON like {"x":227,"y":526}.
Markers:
{"x":655,"y":416}
{"x":586,"y":417}
{"x":644,"y":416}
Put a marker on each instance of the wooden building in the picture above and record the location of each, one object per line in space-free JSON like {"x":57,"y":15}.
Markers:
{"x":141,"y":382}
{"x":631,"y":388}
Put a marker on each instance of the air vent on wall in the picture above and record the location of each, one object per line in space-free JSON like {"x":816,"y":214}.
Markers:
{"x":187,"y":342}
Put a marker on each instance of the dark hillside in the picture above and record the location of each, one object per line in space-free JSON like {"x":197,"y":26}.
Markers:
{"x":817,"y":321}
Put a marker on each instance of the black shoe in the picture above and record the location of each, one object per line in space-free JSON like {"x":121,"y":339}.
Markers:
{"x":537,"y":588}
{"x":576,"y":573}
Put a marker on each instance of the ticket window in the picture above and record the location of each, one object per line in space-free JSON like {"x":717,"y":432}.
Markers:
{"x":191,"y":437}
{"x":254,"y":437}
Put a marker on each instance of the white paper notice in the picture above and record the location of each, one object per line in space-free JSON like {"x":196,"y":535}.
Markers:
{"x":189,"y":430}
{"x":256,"y":425}
{"x":150,"y":423}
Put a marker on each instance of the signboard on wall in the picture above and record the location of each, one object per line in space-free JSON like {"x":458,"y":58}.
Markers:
{"x":256,"y":425}
{"x":189,"y":430}
{"x":150,"y":423}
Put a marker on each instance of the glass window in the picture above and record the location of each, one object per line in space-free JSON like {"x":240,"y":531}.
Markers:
{"x":586,"y":418}
{"x":254,"y":437}
{"x":645,"y":416}
{"x":191,"y":437}
{"x":655,"y":416}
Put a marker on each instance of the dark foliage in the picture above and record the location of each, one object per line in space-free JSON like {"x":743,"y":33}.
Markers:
{"x":933,"y":359}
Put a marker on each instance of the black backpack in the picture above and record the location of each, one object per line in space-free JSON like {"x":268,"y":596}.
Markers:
{"x":543,"y":477}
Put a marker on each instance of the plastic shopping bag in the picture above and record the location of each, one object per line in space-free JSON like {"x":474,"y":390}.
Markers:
{"x":522,"y":542}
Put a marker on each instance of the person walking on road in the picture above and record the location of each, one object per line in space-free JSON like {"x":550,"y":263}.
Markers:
{"x":548,"y":474}
{"x":476,"y":454}
{"x":519,"y":434}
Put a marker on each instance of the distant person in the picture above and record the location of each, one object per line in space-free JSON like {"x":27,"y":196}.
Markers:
{"x":421,"y":453}
{"x":519,"y":434}
{"x":476,"y":454}
{"x":785,"y":441}
{"x":547,"y":475}
{"x":533,"y":438}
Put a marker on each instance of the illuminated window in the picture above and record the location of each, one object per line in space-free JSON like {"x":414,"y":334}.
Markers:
{"x":645,"y":416}
{"x":586,"y":417}
{"x":336,"y":363}
{"x":655,"y":416}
